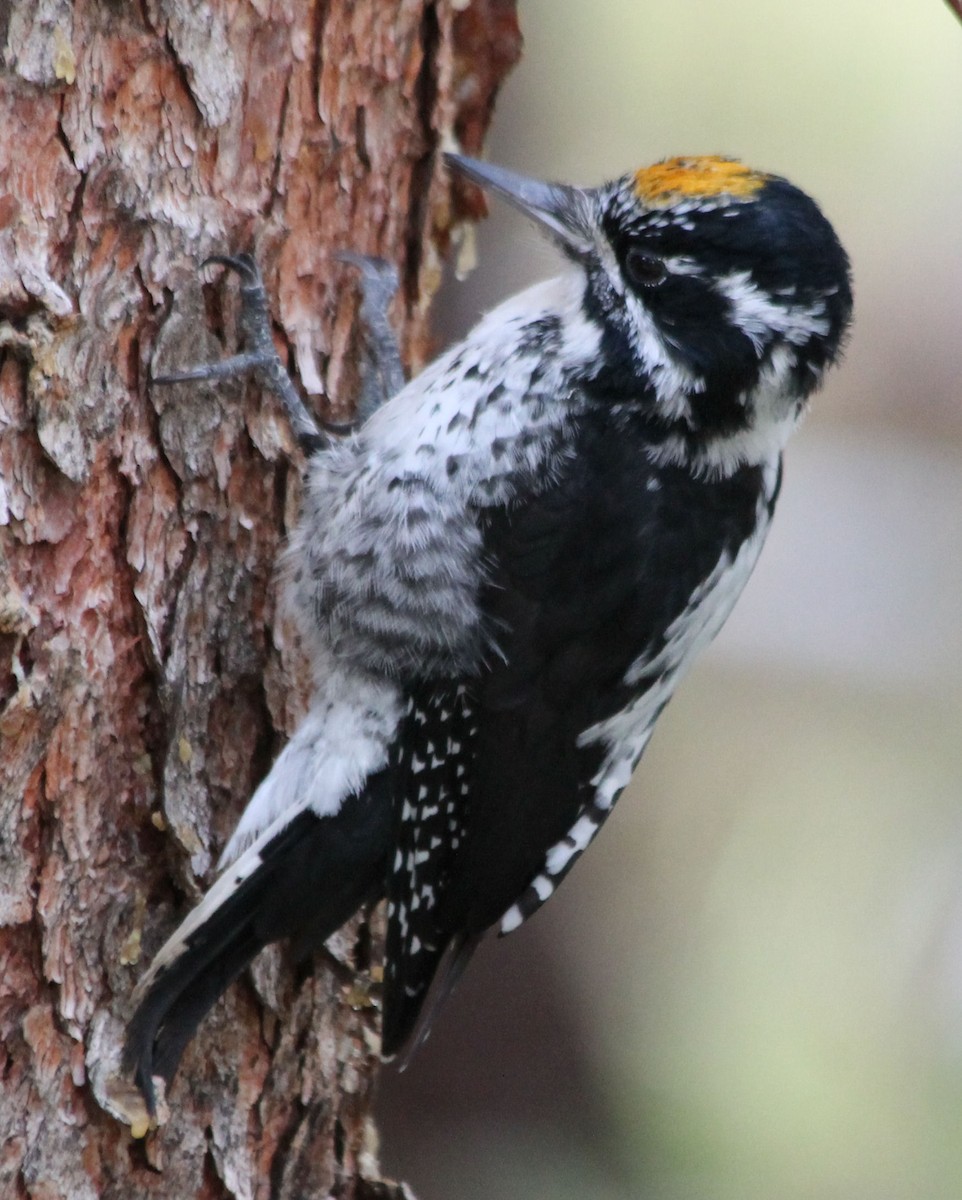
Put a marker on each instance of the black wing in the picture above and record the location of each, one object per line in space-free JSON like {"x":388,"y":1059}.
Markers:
{"x":585,"y":578}
{"x":303,"y":884}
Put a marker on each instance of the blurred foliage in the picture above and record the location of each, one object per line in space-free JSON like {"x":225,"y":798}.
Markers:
{"x":756,"y":974}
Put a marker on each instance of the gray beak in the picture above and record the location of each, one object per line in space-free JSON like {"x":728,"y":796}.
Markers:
{"x":564,"y":211}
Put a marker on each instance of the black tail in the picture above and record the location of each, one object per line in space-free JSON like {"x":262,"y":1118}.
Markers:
{"x":413,"y":998}
{"x":304,"y":883}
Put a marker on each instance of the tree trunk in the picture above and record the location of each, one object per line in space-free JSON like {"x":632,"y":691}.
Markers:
{"x":144,"y":683}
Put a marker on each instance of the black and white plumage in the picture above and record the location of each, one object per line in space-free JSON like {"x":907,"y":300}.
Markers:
{"x":504,"y":572}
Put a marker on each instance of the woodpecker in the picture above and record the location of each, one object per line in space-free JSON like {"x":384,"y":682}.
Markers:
{"x":504,"y":571}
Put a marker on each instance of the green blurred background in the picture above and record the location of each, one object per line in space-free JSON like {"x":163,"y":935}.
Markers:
{"x":751,"y":987}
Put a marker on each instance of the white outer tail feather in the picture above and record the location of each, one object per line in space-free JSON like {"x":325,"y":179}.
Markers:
{"x":221,"y":891}
{"x":342,"y":741}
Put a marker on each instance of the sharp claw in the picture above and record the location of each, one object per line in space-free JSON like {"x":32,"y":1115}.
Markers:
{"x":373,"y":269}
{"x":243,"y":264}
{"x":365,"y":261}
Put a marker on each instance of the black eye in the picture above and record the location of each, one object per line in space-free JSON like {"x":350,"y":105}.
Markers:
{"x":644,"y":270}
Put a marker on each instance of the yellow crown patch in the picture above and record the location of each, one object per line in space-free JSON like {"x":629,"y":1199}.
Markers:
{"x":705,"y":175}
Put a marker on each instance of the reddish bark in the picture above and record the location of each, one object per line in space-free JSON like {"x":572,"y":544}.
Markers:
{"x":144,"y":683}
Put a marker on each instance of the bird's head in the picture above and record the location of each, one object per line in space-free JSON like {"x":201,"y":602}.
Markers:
{"x":722,"y":294}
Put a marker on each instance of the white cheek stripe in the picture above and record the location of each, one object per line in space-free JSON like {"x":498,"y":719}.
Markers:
{"x":673,"y":383}
{"x":759,"y":317}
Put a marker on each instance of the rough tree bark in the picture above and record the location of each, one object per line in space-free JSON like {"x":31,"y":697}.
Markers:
{"x":144,"y":683}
